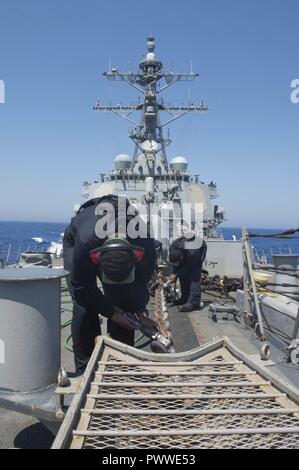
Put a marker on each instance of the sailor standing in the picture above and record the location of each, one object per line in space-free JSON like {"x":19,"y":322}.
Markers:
{"x":187,"y":255}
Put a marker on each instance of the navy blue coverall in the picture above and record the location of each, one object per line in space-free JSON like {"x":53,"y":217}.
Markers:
{"x":88,"y":300}
{"x":189,"y":269}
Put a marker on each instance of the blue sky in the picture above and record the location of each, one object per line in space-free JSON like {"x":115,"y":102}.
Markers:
{"x":52,"y":54}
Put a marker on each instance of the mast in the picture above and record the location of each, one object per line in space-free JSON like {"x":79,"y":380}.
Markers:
{"x":148,"y":133}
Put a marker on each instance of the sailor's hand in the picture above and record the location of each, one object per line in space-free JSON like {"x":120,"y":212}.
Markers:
{"x":148,"y":322}
{"x":118,"y":319}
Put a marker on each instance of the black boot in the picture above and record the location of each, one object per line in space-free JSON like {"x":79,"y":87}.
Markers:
{"x":189,"y":308}
{"x":178,"y":302}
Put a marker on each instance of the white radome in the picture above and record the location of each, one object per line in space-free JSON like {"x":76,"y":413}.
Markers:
{"x":122,"y":162}
{"x":150,"y":56}
{"x":179,"y":164}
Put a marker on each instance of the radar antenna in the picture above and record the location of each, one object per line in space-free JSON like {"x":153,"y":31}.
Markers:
{"x":148,"y":134}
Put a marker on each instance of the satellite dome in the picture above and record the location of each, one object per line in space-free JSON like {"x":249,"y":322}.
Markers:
{"x":179,"y":164}
{"x":122,"y":162}
{"x":151,"y":44}
{"x":150,"y":56}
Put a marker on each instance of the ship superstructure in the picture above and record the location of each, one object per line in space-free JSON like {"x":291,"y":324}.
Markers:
{"x":147,"y":177}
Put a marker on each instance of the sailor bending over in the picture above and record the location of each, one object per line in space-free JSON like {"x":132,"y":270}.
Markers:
{"x":123,"y":265}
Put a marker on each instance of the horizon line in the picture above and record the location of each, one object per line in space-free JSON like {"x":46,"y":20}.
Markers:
{"x":55,"y":222}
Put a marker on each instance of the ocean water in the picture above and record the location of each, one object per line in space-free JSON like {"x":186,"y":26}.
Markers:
{"x":27,"y":236}
{"x":265,"y":247}
{"x":38,"y":236}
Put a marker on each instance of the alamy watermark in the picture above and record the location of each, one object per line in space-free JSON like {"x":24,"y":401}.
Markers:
{"x":2,"y":92}
{"x":295,"y":93}
{"x":150,"y":220}
{"x":2,"y":352}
